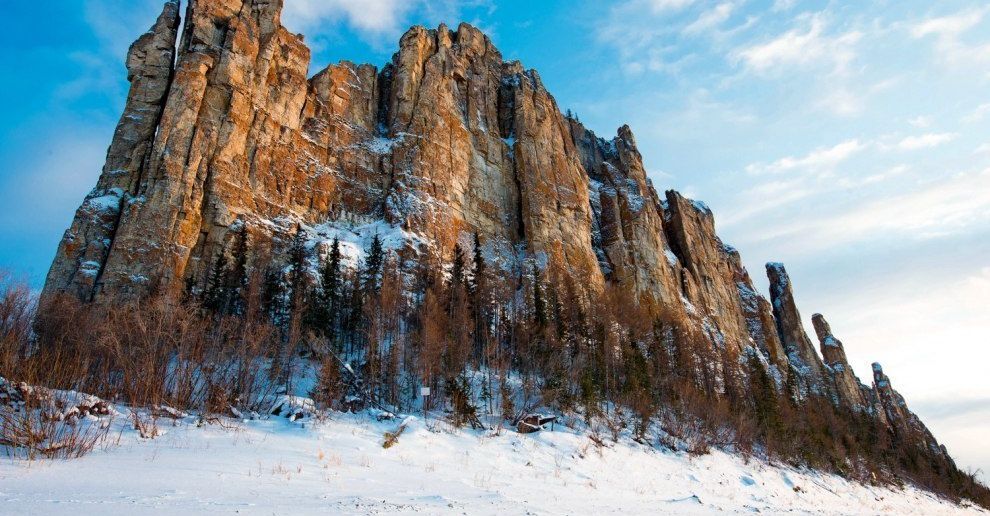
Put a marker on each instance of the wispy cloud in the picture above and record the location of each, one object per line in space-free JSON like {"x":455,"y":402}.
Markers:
{"x":373,"y":16}
{"x":950,"y":46}
{"x":802,"y":47}
{"x":951,"y":26}
{"x":929,"y":211}
{"x":925,"y":141}
{"x":669,"y":5}
{"x":818,"y":159}
{"x":978,"y":114}
{"x":710,"y":19}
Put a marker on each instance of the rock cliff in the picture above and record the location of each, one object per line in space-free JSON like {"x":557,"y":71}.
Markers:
{"x":223,"y":128}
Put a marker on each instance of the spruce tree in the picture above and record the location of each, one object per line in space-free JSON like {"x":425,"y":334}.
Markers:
{"x":237,"y":280}
{"x":215,"y":297}
{"x":273,"y":295}
{"x":477,"y":268}
{"x":372,"y":270}
{"x":476,"y":293}
{"x":298,"y":263}
{"x":539,"y":300}
{"x":765,"y":405}
{"x":457,"y":266}
{"x":328,"y":306}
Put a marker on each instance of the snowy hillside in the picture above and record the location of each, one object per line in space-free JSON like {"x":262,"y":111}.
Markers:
{"x":275,"y":466}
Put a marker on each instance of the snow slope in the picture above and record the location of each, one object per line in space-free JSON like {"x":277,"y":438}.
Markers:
{"x":275,"y":466}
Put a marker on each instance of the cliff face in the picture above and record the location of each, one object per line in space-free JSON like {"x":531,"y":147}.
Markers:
{"x":444,"y":141}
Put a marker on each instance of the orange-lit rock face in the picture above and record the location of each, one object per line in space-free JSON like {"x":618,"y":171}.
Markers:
{"x":446,"y":140}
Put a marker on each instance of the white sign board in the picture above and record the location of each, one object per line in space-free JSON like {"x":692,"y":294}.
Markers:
{"x":424,"y":391}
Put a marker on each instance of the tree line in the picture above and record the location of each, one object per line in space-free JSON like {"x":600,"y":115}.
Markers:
{"x":492,"y":343}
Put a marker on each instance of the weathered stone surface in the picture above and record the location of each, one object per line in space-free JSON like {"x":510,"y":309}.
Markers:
{"x":904,"y":424}
{"x":848,"y":388}
{"x":806,"y":366}
{"x":86,"y":244}
{"x":447,"y":139}
{"x":627,"y":219}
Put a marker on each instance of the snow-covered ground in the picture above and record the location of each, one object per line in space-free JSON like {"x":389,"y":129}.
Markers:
{"x":336,"y":466}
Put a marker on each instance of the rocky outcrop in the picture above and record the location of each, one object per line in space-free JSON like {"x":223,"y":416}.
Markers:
{"x":225,"y":130}
{"x":905,"y":426}
{"x":85,"y":248}
{"x":805,"y":365}
{"x":445,"y":140}
{"x":848,"y":388}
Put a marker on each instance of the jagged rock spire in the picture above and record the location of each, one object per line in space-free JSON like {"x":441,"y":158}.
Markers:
{"x":906,"y":426}
{"x":86,"y":244}
{"x":848,"y":388}
{"x":805,"y":363}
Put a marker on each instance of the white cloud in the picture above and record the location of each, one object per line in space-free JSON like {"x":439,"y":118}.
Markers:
{"x":372,"y":16}
{"x":978,"y":114}
{"x":953,"y":25}
{"x":842,"y":102}
{"x":783,"y":5}
{"x":892,"y":172}
{"x":669,"y":5}
{"x":925,"y":141}
{"x":920,"y":122}
{"x":948,"y":32}
{"x":818,"y":159}
{"x":933,"y":210}
{"x":799,"y":47}
{"x":710,"y":19}
{"x":772,"y":195}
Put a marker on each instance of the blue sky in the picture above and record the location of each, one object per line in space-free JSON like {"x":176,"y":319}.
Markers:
{"x":850,"y":140}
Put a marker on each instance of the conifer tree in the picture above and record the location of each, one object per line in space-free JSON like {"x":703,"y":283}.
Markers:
{"x":457,"y":266}
{"x":237,"y":279}
{"x":459,"y":343}
{"x":371,"y":273}
{"x":327,"y":308}
{"x":540,"y":315}
{"x":765,"y":405}
{"x":329,"y":385}
{"x":273,"y":296}
{"x":216,"y":295}
{"x":298,"y":262}
{"x":476,"y":292}
{"x":477,"y":268}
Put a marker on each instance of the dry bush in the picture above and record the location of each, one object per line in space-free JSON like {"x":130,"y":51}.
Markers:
{"x":160,"y":351}
{"x":37,"y":422}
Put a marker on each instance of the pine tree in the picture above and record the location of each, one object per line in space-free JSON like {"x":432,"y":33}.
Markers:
{"x":457,"y":266}
{"x":765,"y":404}
{"x":298,"y":263}
{"x":477,"y":268}
{"x":237,"y":280}
{"x":273,"y":296}
{"x":327,"y":309}
{"x":540,"y":315}
{"x":371,"y":273}
{"x":216,"y":295}
{"x":329,"y":386}
{"x":476,"y":292}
